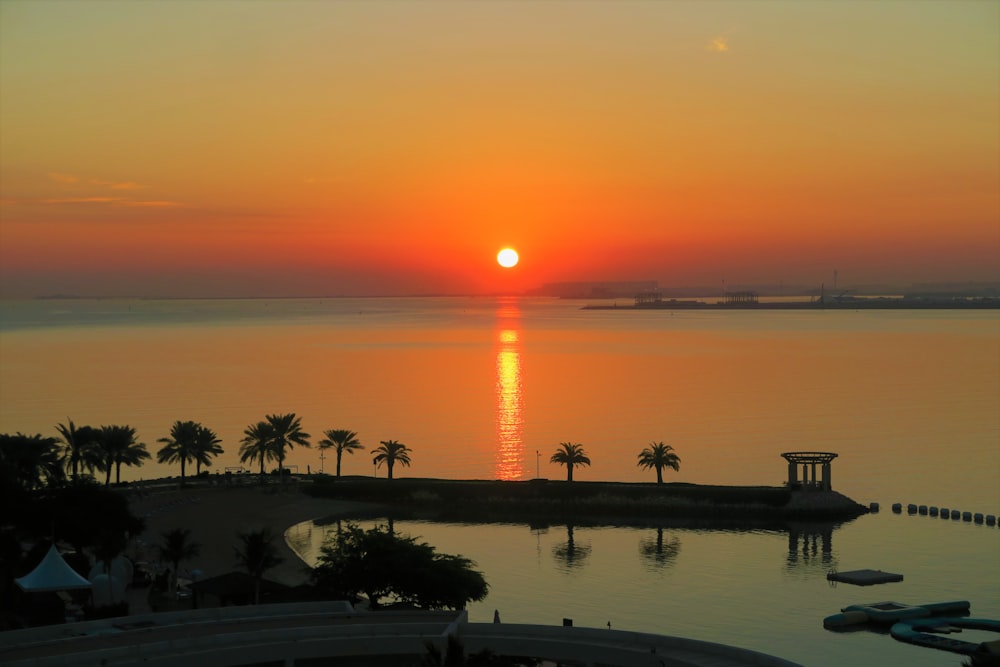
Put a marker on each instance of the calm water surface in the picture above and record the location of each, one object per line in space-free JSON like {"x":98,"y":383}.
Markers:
{"x":760,"y":589}
{"x":487,"y":388}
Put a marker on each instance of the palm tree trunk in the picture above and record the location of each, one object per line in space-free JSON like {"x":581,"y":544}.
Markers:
{"x":659,"y":474}
{"x":389,"y":476}
{"x":569,"y":472}
{"x":118,"y":473}
{"x":339,"y":454}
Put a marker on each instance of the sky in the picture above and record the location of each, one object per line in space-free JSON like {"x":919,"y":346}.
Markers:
{"x":199,"y":149}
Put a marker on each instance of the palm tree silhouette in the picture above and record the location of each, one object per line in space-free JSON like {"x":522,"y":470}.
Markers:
{"x":286,"y":432}
{"x":119,"y":446}
{"x":81,"y":449}
{"x":570,"y":455}
{"x":391,"y":452}
{"x":342,"y":441}
{"x":256,"y":445}
{"x":177,"y":547}
{"x":257,"y":554}
{"x":181,"y":446}
{"x":207,"y":446}
{"x":659,"y":456}
{"x":30,"y":462}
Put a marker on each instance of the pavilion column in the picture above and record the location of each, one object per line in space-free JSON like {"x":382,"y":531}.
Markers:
{"x":793,"y":474}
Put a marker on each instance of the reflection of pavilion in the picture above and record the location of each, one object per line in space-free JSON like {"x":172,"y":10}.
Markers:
{"x":810,"y":544}
{"x":510,"y":403}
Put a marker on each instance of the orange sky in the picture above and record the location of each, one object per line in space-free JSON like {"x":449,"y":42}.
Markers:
{"x":319,"y":148}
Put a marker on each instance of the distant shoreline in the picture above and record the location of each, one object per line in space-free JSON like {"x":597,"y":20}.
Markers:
{"x":873,"y":303}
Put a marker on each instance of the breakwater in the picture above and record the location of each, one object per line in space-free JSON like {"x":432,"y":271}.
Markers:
{"x":590,"y":501}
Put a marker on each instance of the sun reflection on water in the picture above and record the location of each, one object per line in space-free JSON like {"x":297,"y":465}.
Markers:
{"x":510,"y":399}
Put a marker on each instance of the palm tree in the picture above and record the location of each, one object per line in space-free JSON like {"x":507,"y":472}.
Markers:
{"x":207,"y":446}
{"x":119,"y":446}
{"x":81,"y":449}
{"x":343,"y":441}
{"x":176,"y":547}
{"x":659,"y":456}
{"x":256,"y":444}
{"x":181,"y":446}
{"x":286,"y":432}
{"x":570,"y":455}
{"x":30,"y":462}
{"x":257,"y":554}
{"x":391,"y":452}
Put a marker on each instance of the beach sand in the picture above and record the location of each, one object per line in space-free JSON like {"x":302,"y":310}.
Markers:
{"x":215,"y":514}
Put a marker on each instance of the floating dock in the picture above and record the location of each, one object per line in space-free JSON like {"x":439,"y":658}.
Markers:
{"x":864,"y":577}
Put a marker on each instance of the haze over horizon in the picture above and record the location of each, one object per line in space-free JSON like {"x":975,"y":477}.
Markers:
{"x":275,"y":149}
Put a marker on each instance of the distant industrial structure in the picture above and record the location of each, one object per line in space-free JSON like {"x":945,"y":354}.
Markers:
{"x":601,"y":289}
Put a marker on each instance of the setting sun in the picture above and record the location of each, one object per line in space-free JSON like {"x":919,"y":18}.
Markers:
{"x":507,"y":258}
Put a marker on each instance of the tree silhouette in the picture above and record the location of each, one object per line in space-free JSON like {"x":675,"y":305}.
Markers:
{"x":81,"y":450}
{"x":391,"y":452}
{"x":286,"y":432}
{"x":207,"y":446}
{"x":257,"y":553}
{"x":256,"y":445}
{"x":342,"y":441}
{"x":659,"y":456}
{"x":177,"y":547}
{"x":570,"y":455}
{"x":181,"y":446}
{"x":30,"y":462}
{"x":119,"y":446}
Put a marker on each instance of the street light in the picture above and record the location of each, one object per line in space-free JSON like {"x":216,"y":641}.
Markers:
{"x":537,"y":457}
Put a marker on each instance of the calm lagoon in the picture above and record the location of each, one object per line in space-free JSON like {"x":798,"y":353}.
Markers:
{"x":760,"y":589}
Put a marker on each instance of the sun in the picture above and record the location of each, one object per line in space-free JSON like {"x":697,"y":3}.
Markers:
{"x":507,"y":258}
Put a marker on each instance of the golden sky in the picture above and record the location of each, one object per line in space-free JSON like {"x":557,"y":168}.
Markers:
{"x":319,"y":148}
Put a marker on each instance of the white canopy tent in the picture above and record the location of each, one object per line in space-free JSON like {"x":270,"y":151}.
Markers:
{"x":52,"y":574}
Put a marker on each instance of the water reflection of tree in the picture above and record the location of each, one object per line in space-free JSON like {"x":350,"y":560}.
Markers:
{"x":569,"y":552}
{"x":660,"y":551}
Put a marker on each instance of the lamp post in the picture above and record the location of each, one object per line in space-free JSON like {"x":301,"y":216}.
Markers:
{"x":537,"y":457}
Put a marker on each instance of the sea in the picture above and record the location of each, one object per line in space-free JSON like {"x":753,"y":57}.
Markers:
{"x":488,"y":388}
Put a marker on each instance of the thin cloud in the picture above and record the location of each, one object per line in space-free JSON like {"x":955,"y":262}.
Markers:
{"x":110,"y":201}
{"x":719,"y":44}
{"x":63,"y":178}
{"x":149,"y":204}
{"x":118,"y":185}
{"x":82,"y":200}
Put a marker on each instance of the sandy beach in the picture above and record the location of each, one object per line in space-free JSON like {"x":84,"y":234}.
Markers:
{"x":215,"y":514}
